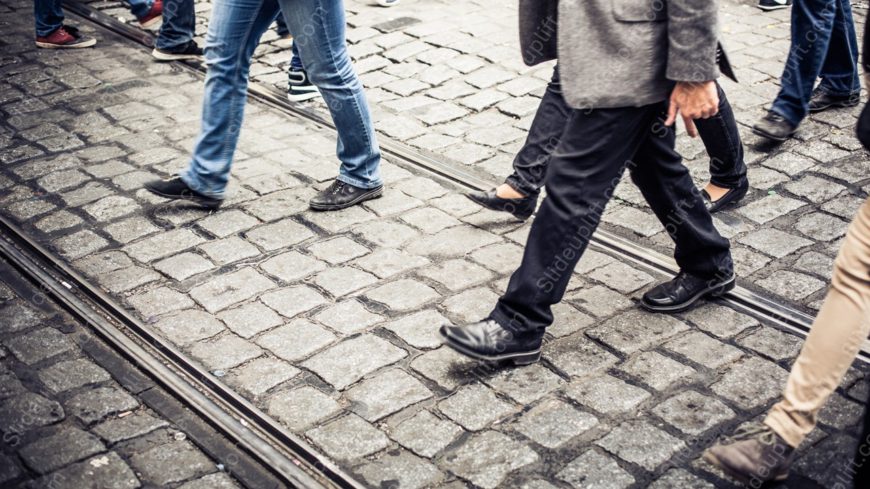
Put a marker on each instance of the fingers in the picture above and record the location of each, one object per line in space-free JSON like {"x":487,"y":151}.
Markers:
{"x":690,"y":126}
{"x":673,"y":108}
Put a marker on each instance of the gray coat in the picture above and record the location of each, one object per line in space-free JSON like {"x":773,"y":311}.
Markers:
{"x":621,"y":53}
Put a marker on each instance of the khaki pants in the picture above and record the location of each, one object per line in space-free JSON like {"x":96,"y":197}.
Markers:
{"x":836,"y":337}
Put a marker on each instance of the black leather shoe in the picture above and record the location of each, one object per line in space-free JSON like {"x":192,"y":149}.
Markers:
{"x":684,"y":290}
{"x":774,"y":126}
{"x":341,"y":195}
{"x":732,"y":196}
{"x":822,"y":100}
{"x":175,"y":188}
{"x":488,"y":341}
{"x":522,"y":208}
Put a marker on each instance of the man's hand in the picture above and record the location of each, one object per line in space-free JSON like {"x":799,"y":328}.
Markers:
{"x":693,"y":100}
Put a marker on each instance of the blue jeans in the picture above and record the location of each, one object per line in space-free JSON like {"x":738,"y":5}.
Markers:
{"x":295,"y":61}
{"x":319,"y":29}
{"x":48,"y":14}
{"x":179,"y":24}
{"x":281,"y":26}
{"x":823,"y":44}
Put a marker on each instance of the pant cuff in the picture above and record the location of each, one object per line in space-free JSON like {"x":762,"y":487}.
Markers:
{"x":784,"y":429}
{"x":359,"y":183}
{"x":199,"y":187}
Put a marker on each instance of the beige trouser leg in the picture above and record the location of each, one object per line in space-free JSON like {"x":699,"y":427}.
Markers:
{"x":836,"y":336}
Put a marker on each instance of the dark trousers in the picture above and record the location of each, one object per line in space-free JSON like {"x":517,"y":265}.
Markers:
{"x":719,"y":134}
{"x":179,"y":24}
{"x":591,"y":153}
{"x":823,"y":44}
{"x":861,"y":462}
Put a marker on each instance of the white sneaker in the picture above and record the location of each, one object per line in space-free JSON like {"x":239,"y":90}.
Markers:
{"x":388,"y":3}
{"x":773,"y":4}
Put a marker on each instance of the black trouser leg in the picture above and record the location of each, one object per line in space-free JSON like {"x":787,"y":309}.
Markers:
{"x":530,"y":164}
{"x":722,"y":141}
{"x":665,"y":183}
{"x":583,"y":171}
{"x":861,"y":462}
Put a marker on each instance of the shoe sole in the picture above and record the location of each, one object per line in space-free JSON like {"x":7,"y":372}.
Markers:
{"x":738,"y":476}
{"x":835,"y":105}
{"x":195,"y":200}
{"x":735,"y":201}
{"x":771,"y":136}
{"x":714,"y":291}
{"x":518,"y":359}
{"x":303,"y":96}
{"x":81,"y":45}
{"x":778,"y":7}
{"x":521,"y":217}
{"x":337,"y":207}
{"x":161,"y":56}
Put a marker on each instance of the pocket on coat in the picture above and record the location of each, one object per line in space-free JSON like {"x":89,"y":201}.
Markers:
{"x":640,"y":10}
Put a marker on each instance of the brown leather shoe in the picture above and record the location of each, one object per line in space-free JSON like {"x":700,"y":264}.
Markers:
{"x":755,"y":454}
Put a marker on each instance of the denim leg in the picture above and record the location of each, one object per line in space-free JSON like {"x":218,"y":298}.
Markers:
{"x":812,"y":22}
{"x":179,"y":24}
{"x":295,"y":60}
{"x":583,"y":172}
{"x":722,"y":140}
{"x":530,"y":164}
{"x":233,"y":33}
{"x":281,"y":26}
{"x":48,"y":15}
{"x":318,"y":28}
{"x":140,"y":7}
{"x":840,"y":70}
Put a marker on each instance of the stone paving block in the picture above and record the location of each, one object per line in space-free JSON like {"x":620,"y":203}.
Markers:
{"x":499,"y":257}
{"x":568,"y":320}
{"x":337,"y":250}
{"x":106,"y":471}
{"x":96,"y":404}
{"x":85,"y":194}
{"x":821,"y":227}
{"x":281,"y":234}
{"x":183,"y":266}
{"x":635,"y":329}
{"x":57,"y":221}
{"x":292,"y":266}
{"x":816,"y":263}
{"x":347,"y":317}
{"x":229,"y":250}
{"x":429,"y":220}
{"x":296,"y":340}
{"x":682,"y":479}
{"x":301,"y":408}
{"x":425,"y":434}
{"x":419,"y":329}
{"x":39,"y":345}
{"x":130,"y":229}
{"x":387,"y":262}
{"x":641,"y":443}
{"x":225,"y":352}
{"x":607,"y":394}
{"x":126,"y":279}
{"x":487,"y":458}
{"x":385,"y":233}
{"x":188,"y":326}
{"x":333,"y":222}
{"x":553,"y":423}
{"x":163,"y":245}
{"x":841,"y":413}
{"x":352,"y":359}
{"x":402,"y":295}
{"x":348,"y":438}
{"x":457,"y":274}
{"x":188,"y":462}
{"x":525,"y":385}
{"x":772,"y":343}
{"x":791,"y":285}
{"x":232,"y":288}
{"x":769,"y":208}
{"x":160,"y":301}
{"x":827,"y":464}
{"x":111,"y":208}
{"x":576,"y":356}
{"x":621,"y":277}
{"x":692,"y":412}
{"x":402,"y":470}
{"x":595,"y":471}
{"x":211,"y":481}
{"x":452,"y":242}
{"x":18,"y":316}
{"x":60,"y":447}
{"x":137,"y":424}
{"x":720,"y":321}
{"x":703,"y":349}
{"x":28,"y":411}
{"x":259,"y":375}
{"x":291,"y":301}
{"x":471,"y":305}
{"x":774,"y":242}
{"x":63,"y":376}
{"x":599,"y":300}
{"x":385,"y":394}
{"x":657,"y":370}
{"x":750,"y":383}
{"x":250,"y":319}
{"x":226,"y":223}
{"x":815,"y":189}
{"x":341,"y":281}
{"x":79,"y":244}
{"x":464,"y":407}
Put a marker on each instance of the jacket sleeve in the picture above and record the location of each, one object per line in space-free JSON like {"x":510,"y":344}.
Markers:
{"x":693,"y":35}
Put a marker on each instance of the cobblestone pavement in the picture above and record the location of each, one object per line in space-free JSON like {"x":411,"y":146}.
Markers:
{"x":68,"y":422}
{"x":446,"y":77}
{"x":326,"y":321}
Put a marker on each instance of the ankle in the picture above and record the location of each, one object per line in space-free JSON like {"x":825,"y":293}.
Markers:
{"x":505,"y":191}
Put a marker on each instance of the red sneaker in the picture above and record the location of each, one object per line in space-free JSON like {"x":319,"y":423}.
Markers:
{"x":154,"y":18}
{"x":65,"y":37}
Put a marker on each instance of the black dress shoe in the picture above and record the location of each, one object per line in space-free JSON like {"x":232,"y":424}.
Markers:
{"x":732,"y":196}
{"x":684,"y":290}
{"x":522,"y":208}
{"x":822,"y":100}
{"x":488,"y":341}
{"x":774,"y":126}
{"x":175,"y":188}
{"x":341,"y":195}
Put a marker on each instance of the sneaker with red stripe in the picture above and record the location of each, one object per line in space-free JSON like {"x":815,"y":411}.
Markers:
{"x":154,"y":18}
{"x":65,"y":37}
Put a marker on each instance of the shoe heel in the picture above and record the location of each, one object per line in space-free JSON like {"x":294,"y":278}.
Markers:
{"x":723,"y":289}
{"x":527,"y":359}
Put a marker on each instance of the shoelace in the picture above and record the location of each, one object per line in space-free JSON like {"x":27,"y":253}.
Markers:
{"x":757,"y":431}
{"x":337,"y":187}
{"x":773,"y":116}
